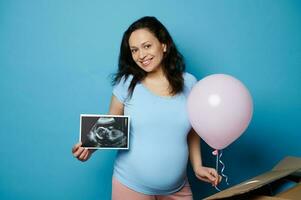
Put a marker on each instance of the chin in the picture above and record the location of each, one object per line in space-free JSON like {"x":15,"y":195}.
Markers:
{"x":148,"y":68}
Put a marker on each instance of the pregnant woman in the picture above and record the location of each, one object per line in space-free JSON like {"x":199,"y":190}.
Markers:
{"x":152,"y":87}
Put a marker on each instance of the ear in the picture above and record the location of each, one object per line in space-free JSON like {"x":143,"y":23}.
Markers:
{"x":164,"y":47}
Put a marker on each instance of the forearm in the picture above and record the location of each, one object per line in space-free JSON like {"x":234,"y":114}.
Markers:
{"x":203,"y":173}
{"x":194,"y":149}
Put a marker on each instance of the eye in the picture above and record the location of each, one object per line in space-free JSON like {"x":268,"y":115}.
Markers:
{"x":134,"y":50}
{"x":147,"y":46}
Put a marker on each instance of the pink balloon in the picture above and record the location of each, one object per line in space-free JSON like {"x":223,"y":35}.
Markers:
{"x":220,"y":109}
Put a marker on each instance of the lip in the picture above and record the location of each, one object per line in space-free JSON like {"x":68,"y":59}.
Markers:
{"x":146,"y":62}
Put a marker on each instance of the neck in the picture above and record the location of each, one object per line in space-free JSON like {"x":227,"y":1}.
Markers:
{"x":157,"y":74}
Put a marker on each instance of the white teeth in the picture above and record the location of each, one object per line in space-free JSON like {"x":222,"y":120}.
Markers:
{"x":146,"y":62}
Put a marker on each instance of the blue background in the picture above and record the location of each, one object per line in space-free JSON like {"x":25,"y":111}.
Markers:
{"x":56,"y":58}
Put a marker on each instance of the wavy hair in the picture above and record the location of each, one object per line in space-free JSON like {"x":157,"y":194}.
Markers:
{"x":173,"y":61}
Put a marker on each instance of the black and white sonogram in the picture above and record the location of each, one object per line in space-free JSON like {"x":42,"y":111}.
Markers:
{"x":105,"y":131}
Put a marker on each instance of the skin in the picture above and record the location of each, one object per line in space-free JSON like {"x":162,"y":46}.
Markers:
{"x":147,"y":52}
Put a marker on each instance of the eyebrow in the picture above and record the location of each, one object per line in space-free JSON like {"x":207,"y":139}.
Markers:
{"x":141,"y":44}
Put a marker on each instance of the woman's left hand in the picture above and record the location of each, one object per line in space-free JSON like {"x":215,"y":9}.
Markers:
{"x":208,"y":174}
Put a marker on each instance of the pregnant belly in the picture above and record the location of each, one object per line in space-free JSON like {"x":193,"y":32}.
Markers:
{"x":156,"y":168}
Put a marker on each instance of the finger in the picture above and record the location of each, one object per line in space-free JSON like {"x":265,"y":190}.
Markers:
{"x":203,"y":179}
{"x":75,"y":147}
{"x":207,"y":177}
{"x":78,"y":151}
{"x":211,"y":177}
{"x":214,"y":173}
{"x":219,"y":179}
{"x":83,"y":154}
{"x":87,"y":156}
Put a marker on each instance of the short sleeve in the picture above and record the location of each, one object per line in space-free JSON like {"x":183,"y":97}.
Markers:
{"x":190,"y":80}
{"x":120,"y":90}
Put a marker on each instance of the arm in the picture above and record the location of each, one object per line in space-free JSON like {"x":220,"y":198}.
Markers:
{"x":203,"y":173}
{"x":116,"y":107}
{"x":83,"y":154}
{"x":194,"y":149}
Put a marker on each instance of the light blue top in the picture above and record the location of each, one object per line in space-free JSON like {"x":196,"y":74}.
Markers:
{"x":155,"y":163}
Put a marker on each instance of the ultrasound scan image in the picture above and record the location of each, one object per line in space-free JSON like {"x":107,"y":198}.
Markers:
{"x":105,"y":132}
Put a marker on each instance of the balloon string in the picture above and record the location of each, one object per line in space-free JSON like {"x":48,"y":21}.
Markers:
{"x":216,"y":166}
{"x":222,"y":171}
{"x":218,"y":160}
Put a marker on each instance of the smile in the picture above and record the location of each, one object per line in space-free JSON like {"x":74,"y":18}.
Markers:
{"x":146,"y":62}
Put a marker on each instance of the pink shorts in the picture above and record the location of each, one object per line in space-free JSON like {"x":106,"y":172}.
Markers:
{"x":121,"y":192}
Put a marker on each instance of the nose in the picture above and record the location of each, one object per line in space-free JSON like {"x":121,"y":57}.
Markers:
{"x":142,"y":54}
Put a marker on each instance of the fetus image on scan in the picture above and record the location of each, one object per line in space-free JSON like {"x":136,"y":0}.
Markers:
{"x":107,"y":132}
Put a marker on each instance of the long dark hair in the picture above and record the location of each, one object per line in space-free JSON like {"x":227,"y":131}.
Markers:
{"x":173,"y":62}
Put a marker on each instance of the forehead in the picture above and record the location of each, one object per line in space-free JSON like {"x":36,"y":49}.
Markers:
{"x":140,"y":36}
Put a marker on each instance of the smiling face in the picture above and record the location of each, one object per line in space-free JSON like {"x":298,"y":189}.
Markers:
{"x":147,"y":51}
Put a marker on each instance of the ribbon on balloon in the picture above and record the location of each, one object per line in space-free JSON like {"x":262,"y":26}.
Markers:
{"x":219,"y":160}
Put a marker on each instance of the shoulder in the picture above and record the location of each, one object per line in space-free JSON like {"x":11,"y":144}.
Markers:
{"x":189,"y":82}
{"x":125,"y":80}
{"x":120,"y":88}
{"x":189,"y":79}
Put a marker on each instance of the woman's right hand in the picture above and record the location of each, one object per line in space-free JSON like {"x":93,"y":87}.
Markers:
{"x":81,"y":153}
